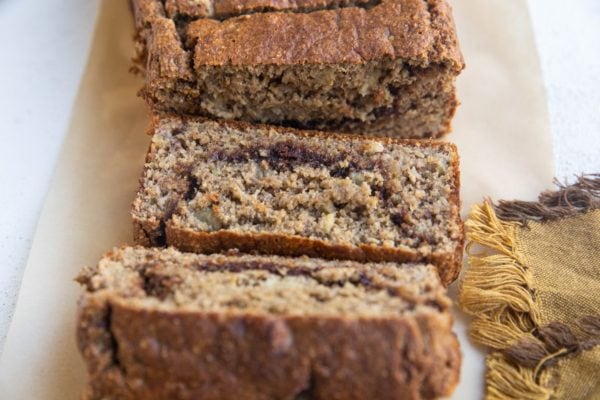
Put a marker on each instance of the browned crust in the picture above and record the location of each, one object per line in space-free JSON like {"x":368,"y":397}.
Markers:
{"x":140,"y":353}
{"x":420,"y":31}
{"x":230,"y":8}
{"x":188,"y":8}
{"x":147,"y":233}
{"x":145,"y":11}
{"x":152,"y":232}
{"x":452,"y":263}
{"x":398,"y":29}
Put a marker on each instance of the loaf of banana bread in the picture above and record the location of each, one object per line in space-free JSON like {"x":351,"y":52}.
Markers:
{"x":160,"y":324}
{"x":210,"y":186}
{"x":383,"y":67}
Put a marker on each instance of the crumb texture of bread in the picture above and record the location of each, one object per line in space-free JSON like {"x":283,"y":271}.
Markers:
{"x":382,"y":67}
{"x":210,"y":186}
{"x":160,"y":324}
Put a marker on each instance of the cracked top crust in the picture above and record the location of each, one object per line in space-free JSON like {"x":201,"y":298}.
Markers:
{"x":272,"y":32}
{"x":230,"y":8}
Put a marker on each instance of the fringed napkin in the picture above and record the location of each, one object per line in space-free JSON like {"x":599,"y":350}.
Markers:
{"x":534,"y":293}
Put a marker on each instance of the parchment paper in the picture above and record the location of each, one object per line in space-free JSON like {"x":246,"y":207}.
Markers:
{"x":501,"y":129}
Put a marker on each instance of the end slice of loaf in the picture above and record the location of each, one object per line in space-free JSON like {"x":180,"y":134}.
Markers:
{"x":211,"y":186}
{"x":160,"y":324}
{"x":383,"y":67}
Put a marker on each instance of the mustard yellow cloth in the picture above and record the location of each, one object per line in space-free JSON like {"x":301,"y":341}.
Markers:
{"x":533,"y":289}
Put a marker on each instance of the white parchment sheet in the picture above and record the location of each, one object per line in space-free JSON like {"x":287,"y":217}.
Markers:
{"x":501,"y":130}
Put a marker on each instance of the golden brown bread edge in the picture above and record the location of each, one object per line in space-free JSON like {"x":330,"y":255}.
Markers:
{"x":420,"y":32}
{"x":448,"y":263}
{"x":381,"y":359}
{"x":144,"y":353}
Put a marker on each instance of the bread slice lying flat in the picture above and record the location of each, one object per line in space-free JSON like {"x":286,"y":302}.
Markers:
{"x":160,"y":324}
{"x":211,"y":186}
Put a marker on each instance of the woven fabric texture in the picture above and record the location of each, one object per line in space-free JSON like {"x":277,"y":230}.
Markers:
{"x":533,"y":289}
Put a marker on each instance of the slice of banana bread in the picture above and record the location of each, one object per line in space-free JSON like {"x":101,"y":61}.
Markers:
{"x":384,"y":67}
{"x":210,"y":186}
{"x":160,"y":324}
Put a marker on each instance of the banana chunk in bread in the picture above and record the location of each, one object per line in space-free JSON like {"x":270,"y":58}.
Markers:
{"x":382,"y":67}
{"x":211,"y":186}
{"x":160,"y":324}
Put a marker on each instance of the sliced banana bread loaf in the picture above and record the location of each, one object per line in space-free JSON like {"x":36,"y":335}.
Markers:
{"x":384,"y":67}
{"x":210,"y":186}
{"x":160,"y":324}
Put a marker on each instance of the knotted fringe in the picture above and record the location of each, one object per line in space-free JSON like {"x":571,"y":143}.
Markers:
{"x":497,"y":292}
{"x":582,"y":196}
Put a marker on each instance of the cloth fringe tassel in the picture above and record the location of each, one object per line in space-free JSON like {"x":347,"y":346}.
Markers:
{"x":497,"y":292}
{"x":567,"y":200}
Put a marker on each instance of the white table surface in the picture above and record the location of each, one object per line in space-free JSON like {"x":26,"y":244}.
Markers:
{"x":43,"y":50}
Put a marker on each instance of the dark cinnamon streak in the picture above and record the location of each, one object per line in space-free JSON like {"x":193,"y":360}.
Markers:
{"x":286,"y":155}
{"x":159,"y":284}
